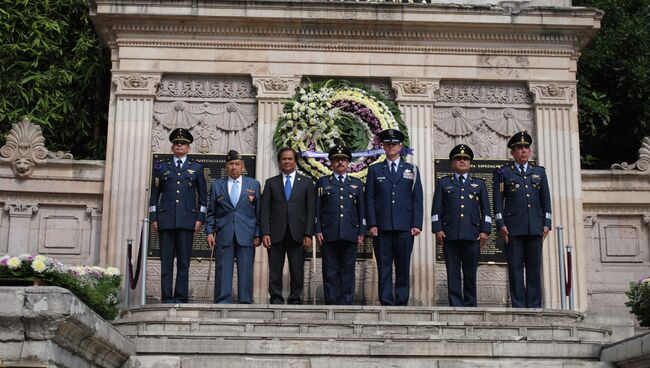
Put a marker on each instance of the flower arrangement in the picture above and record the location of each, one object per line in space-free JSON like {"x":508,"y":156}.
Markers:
{"x":96,"y":286}
{"x":322,"y":115}
{"x":639,"y":300}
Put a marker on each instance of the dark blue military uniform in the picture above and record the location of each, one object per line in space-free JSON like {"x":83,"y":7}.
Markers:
{"x":178,"y":200}
{"x":461,"y":210}
{"x":522,"y":203}
{"x":394,"y":206}
{"x":340,"y":212}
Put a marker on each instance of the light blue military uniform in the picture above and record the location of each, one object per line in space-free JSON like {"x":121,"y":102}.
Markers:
{"x":340,"y":211}
{"x":522,"y":203}
{"x":236,"y":226}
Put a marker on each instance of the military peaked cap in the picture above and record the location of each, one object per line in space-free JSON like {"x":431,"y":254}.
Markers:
{"x":461,"y":150}
{"x":520,"y":139}
{"x":391,"y":136}
{"x":340,"y":151}
{"x":233,"y":155}
{"x":181,"y":135}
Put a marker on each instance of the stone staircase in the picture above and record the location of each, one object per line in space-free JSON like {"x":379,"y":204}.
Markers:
{"x":233,"y":336}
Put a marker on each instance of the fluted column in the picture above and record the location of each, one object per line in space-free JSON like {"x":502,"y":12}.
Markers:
{"x":558,"y":150}
{"x":272,"y":92}
{"x":416,"y":98}
{"x":128,"y":156}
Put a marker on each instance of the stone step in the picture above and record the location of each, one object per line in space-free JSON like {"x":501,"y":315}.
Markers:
{"x":208,"y":335}
{"x":319,"y":323}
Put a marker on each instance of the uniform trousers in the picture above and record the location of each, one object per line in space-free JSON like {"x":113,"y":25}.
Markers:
{"x":175,"y":243}
{"x":294,"y":253}
{"x":338,"y":271}
{"x":461,"y":254}
{"x":525,"y":251}
{"x":393,"y":246}
{"x":225,"y":258}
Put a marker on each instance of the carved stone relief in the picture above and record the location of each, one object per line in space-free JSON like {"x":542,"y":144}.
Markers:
{"x":219,"y":112}
{"x":25,"y":148}
{"x":642,"y":165}
{"x":553,"y":93}
{"x":481,"y":115}
{"x":415,"y":89}
{"x":136,"y":84}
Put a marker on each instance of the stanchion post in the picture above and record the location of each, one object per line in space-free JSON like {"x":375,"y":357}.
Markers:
{"x":560,"y":256}
{"x":569,"y":249}
{"x":313,"y":269}
{"x":127,"y":281}
{"x":145,"y":252}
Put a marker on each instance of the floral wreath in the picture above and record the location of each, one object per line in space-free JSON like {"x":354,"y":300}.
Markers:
{"x":322,"y":115}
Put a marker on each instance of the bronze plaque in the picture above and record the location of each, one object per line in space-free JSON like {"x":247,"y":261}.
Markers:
{"x":214,"y":167}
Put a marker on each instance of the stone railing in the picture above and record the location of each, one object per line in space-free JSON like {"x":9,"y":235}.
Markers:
{"x":50,"y":327}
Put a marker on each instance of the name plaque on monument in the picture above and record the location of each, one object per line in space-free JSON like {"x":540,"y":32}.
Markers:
{"x":493,"y":250}
{"x":214,"y":167}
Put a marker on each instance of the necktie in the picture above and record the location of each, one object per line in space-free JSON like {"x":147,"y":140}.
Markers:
{"x":234,"y":192}
{"x":179,"y":164}
{"x":522,"y":170}
{"x":461,"y":178}
{"x":393,"y":169}
{"x":287,"y":187}
{"x":341,"y":179}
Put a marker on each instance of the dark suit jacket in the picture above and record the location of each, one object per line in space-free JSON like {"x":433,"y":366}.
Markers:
{"x":298,"y":212}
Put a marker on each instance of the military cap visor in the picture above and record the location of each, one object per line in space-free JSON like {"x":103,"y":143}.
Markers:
{"x":391,"y":136}
{"x":180,"y":135}
{"x":339,"y":151}
{"x":461,"y":151}
{"x":520,"y":139}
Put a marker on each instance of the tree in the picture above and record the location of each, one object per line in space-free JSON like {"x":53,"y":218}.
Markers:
{"x":614,"y":84}
{"x":55,"y":70}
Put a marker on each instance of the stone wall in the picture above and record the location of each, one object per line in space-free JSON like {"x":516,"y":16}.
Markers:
{"x":49,"y":203}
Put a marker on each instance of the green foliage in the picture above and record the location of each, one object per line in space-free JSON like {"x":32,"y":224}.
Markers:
{"x":614,"y":84}
{"x":97,"y":287}
{"x":639,"y":300}
{"x":54,"y":70}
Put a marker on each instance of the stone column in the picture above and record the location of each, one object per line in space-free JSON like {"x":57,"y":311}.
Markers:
{"x":558,"y":150}
{"x":416,"y":98}
{"x":21,"y":239}
{"x":272,"y":92}
{"x":128,"y":157}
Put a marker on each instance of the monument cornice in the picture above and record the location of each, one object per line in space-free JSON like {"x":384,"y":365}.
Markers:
{"x":323,"y":46}
{"x":137,"y":83}
{"x":555,"y":93}
{"x":331,"y":19}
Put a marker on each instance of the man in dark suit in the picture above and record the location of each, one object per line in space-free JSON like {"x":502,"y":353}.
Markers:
{"x":461,"y":221}
{"x":394,"y":213}
{"x":287,"y":224}
{"x":522,"y":209}
{"x":177,"y":210}
{"x":340,"y":227}
{"x":233,"y":214}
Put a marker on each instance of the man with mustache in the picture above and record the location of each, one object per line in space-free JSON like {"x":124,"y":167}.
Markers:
{"x":340,"y":226}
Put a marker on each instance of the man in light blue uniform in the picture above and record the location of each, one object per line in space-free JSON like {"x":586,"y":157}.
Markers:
{"x":394,"y":212}
{"x":461,"y":221}
{"x":340,"y":226}
{"x":233,"y":227}
{"x":522,"y":209}
{"x":176,"y":210}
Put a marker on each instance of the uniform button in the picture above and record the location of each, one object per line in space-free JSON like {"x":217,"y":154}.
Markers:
{"x":527,"y":195}
{"x":529,"y":206}
{"x":178,"y":191}
{"x":178,"y":182}
{"x":462,"y":197}
{"x":177,"y":201}
{"x":341,"y":197}
{"x":526,"y":186}
{"x":393,"y":193}
{"x":462,"y":206}
{"x":341,"y":215}
{"x":462,"y":189}
{"x":179,"y":174}
{"x":341,"y":206}
{"x":461,"y":215}
{"x":341,"y":188}
{"x":393,"y":201}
